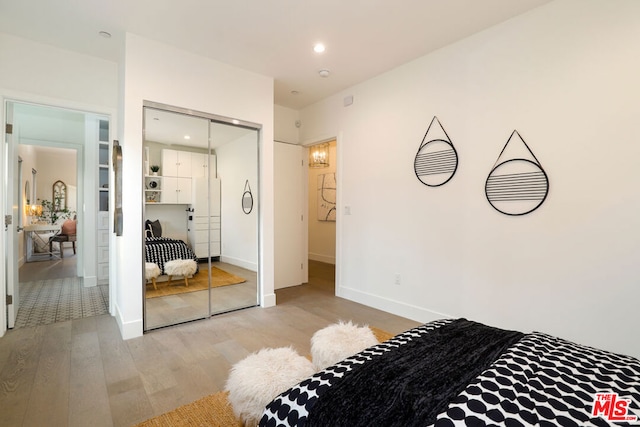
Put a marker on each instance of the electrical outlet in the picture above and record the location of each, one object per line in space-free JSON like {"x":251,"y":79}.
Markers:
{"x":397,"y":279}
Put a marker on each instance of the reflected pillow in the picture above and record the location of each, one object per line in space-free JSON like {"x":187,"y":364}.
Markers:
{"x":69,"y":227}
{"x":153,"y":228}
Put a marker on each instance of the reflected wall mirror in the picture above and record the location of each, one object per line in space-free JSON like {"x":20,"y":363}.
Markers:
{"x":27,"y":192}
{"x":59,"y":196}
{"x":200,"y":249}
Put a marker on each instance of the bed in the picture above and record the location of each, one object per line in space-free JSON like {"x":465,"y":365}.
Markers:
{"x":458,"y":372}
{"x":161,"y":250}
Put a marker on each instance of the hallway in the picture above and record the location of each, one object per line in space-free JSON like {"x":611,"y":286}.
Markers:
{"x":50,"y":292}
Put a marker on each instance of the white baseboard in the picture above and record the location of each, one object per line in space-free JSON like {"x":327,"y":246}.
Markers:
{"x":128,"y":330}
{"x":268,"y":300}
{"x":239,"y":262}
{"x":322,"y":258}
{"x":90,"y":281}
{"x":288,"y":286}
{"x":418,"y":314}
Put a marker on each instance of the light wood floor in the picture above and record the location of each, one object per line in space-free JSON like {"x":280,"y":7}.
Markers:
{"x":174,"y":309}
{"x":55,"y":269}
{"x":81,"y":373}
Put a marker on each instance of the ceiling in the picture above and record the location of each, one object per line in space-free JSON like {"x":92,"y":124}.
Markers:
{"x":166,"y":127}
{"x":274,"y":38}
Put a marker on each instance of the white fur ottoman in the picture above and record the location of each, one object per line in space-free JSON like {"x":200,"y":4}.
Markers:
{"x":151,"y":271}
{"x":339,"y":341}
{"x":181,"y":267}
{"x":260,"y":377}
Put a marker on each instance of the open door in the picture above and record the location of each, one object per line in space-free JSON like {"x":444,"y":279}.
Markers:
{"x":291,"y":248}
{"x":11,"y":220}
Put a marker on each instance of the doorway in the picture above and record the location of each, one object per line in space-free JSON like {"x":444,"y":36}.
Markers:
{"x":305,"y":214}
{"x":48,"y":264}
{"x":322,"y":216}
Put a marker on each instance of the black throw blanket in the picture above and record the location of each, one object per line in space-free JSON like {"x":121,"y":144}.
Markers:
{"x":411,"y":386}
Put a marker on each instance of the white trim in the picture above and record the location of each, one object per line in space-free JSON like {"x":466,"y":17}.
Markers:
{"x":3,"y":273}
{"x":339,"y":211}
{"x":90,"y":281}
{"x":31,"y":98}
{"x":322,"y":258}
{"x":268,"y":300}
{"x":128,"y":330}
{"x":239,"y":262}
{"x":398,"y":308}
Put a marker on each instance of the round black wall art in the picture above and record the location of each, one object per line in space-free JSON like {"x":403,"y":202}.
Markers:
{"x":437,"y":159}
{"x":517,"y":183}
{"x":247,"y":199}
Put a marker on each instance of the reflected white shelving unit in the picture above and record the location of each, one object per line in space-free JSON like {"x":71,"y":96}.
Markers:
{"x":152,"y":189}
{"x":204,"y":221}
{"x":104,"y":161}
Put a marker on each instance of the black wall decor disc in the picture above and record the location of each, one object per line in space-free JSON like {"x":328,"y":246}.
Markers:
{"x":517,"y":183}
{"x":437,"y":159}
{"x":247,"y":199}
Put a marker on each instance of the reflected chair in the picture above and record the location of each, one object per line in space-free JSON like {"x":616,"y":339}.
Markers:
{"x":67,"y":234}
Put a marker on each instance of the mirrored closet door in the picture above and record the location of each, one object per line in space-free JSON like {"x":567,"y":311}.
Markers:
{"x":200,"y":214}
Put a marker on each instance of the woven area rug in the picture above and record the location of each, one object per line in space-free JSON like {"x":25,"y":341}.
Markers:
{"x":214,"y":410}
{"x":199,"y":282}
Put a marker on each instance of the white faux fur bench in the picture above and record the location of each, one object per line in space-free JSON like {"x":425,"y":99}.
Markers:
{"x":260,"y":377}
{"x":151,"y":271}
{"x":338,"y":341}
{"x":181,"y":267}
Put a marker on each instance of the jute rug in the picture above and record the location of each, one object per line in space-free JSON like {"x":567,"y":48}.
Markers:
{"x":199,"y":282}
{"x":214,"y":410}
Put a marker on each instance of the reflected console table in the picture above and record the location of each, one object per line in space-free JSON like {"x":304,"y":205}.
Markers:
{"x":40,"y":233}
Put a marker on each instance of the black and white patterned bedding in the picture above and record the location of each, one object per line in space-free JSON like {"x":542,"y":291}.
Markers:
{"x":536,"y":379}
{"x":161,"y":250}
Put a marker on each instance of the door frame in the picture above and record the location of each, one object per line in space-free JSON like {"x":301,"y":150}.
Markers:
{"x":339,"y":142}
{"x":29,"y":98}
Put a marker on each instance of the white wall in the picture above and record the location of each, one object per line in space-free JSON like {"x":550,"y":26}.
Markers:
{"x":285,"y":129}
{"x":28,"y":155}
{"x":42,"y":74}
{"x":322,"y":234}
{"x":157,"y":72}
{"x":237,"y":162}
{"x":173,"y":219}
{"x":52,"y":166}
{"x":566,"y":77}
{"x":48,"y":72}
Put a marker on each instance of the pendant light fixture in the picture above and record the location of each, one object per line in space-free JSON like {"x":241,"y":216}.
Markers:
{"x":319,"y":155}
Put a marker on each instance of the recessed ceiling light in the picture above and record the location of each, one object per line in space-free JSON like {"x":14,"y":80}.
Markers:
{"x":235,"y":121}
{"x":187,"y":137}
{"x":105,"y":34}
{"x":318,"y":48}
{"x":294,"y":92}
{"x":324,"y":73}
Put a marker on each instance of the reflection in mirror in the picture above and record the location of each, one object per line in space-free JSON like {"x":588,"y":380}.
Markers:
{"x":27,"y":192}
{"x":237,"y":161}
{"x":34,"y":183}
{"x":199,"y":259}
{"x":59,"y":196}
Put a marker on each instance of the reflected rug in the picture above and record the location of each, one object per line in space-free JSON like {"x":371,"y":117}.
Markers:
{"x":214,"y":409}
{"x":199,"y":282}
